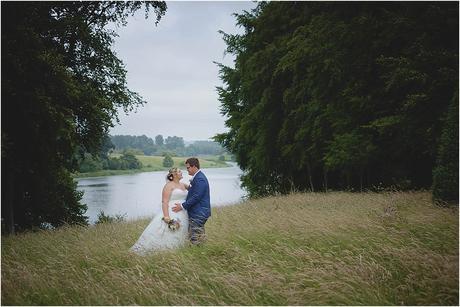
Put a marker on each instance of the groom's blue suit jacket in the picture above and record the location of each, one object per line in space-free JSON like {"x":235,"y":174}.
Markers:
{"x":197,"y":203}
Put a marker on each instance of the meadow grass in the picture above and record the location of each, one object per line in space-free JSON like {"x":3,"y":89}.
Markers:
{"x":302,"y":249}
{"x":153,"y":164}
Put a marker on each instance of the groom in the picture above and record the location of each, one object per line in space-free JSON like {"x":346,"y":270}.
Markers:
{"x":197,"y":203}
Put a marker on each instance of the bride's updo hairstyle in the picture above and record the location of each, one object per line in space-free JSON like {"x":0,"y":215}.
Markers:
{"x":171,"y":173}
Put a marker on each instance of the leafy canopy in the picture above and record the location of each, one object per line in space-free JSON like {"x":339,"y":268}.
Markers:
{"x":343,"y":96}
{"x":61,"y":87}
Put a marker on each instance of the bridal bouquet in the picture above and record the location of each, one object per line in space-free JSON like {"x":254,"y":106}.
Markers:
{"x":172,"y":224}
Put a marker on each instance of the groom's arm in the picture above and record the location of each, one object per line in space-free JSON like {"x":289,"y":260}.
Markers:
{"x":198,"y":193}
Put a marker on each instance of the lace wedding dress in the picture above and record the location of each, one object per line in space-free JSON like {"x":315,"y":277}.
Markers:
{"x":157,"y":235}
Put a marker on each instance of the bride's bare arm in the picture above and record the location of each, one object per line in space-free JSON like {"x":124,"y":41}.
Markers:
{"x":165,"y":195}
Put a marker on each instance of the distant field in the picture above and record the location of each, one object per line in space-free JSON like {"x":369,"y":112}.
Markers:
{"x":155,"y":163}
{"x":302,"y":249}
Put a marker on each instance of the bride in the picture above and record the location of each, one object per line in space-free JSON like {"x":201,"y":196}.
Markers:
{"x":160,"y":233}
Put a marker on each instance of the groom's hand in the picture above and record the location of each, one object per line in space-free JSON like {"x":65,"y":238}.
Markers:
{"x":177,"y":208}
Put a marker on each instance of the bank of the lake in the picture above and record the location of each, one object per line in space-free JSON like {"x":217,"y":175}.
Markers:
{"x":301,"y":249}
{"x":153,"y":164}
{"x":139,"y":195}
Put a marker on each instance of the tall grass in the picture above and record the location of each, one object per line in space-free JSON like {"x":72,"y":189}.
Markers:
{"x":301,"y":249}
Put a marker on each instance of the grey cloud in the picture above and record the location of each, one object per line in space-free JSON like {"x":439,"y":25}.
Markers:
{"x":171,"y":67}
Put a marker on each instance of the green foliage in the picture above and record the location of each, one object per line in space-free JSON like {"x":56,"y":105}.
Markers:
{"x":130,"y":161}
{"x":204,"y":148}
{"x":142,"y":143}
{"x":87,"y":162}
{"x":90,"y":164}
{"x":105,"y":218}
{"x":61,"y":88}
{"x":325,"y":95}
{"x":126,"y":161}
{"x":445,"y":174}
{"x":349,"y":153}
{"x":168,"y":161}
{"x":159,"y":140}
{"x":173,"y":144}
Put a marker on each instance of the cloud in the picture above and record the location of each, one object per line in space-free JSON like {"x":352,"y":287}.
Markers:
{"x":171,"y":67}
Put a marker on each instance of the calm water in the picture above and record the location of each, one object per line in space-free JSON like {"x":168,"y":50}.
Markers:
{"x":139,"y":195}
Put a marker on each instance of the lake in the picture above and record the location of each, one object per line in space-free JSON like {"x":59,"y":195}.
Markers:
{"x":139,"y":195}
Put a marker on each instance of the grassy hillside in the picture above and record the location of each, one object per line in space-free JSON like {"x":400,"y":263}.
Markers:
{"x":155,"y":163}
{"x":302,"y":249}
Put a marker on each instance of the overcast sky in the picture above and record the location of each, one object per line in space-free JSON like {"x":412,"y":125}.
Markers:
{"x":171,"y":67}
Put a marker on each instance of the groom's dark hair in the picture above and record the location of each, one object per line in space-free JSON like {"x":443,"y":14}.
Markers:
{"x":193,"y":162}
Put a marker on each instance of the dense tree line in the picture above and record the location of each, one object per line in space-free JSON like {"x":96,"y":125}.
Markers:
{"x":126,"y":161}
{"x":333,"y":95}
{"x":88,"y":162}
{"x":204,"y":148}
{"x":172,"y":145}
{"x":61,"y":88}
{"x":143,"y":143}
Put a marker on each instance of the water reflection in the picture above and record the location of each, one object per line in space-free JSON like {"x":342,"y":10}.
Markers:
{"x":94,"y":185}
{"x":139,"y":195}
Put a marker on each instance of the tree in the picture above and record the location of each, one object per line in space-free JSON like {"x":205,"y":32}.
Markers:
{"x":106,"y":148}
{"x":61,"y":87}
{"x":326,"y":95}
{"x":445,"y":174}
{"x":174,"y":142}
{"x":168,"y":161}
{"x":204,"y":147}
{"x":141,"y":143}
{"x":90,"y":164}
{"x":130,"y":160}
{"x":159,"y":140}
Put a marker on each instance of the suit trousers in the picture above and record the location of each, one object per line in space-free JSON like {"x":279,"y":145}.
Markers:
{"x":196,"y":231}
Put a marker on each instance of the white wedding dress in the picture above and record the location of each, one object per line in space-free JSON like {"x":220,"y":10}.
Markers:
{"x":157,"y":235}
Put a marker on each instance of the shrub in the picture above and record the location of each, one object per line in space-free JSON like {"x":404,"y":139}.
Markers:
{"x":130,"y":161}
{"x":103,"y":218}
{"x":90,"y":164}
{"x":168,"y":161}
